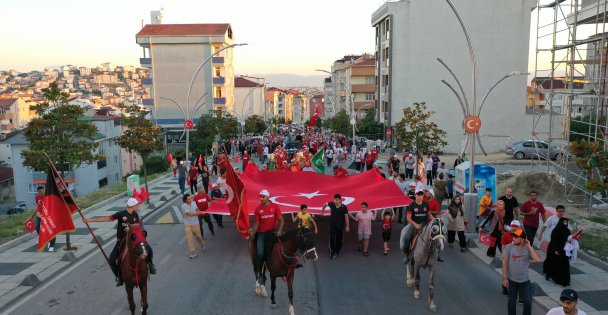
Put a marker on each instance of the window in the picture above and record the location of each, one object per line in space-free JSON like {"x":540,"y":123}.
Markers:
{"x":369,"y":96}
{"x":370,"y":80}
{"x":116,"y":176}
{"x":218,"y":72}
{"x":218,"y":92}
{"x":103,"y":182}
{"x":101,"y":164}
{"x":116,"y":159}
{"x":528,"y":144}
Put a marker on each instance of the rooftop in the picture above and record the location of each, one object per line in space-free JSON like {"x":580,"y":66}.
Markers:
{"x":6,"y":173}
{"x":6,"y":103}
{"x":242,"y":82}
{"x":183,"y":29}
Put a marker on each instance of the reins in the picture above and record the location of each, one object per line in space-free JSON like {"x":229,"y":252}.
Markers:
{"x":282,"y":254}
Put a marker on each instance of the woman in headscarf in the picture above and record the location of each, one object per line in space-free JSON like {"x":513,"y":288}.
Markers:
{"x":557,"y":265}
{"x":497,"y":223}
{"x":456,"y":223}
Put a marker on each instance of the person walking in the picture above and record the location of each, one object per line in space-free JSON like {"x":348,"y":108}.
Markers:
{"x":193,"y":178}
{"x":417,"y":215}
{"x":435,"y":165}
{"x":545,"y":232}
{"x":507,"y":238}
{"x":511,"y":206}
{"x":420,"y":171}
{"x":449,"y":186}
{"x":459,"y":160}
{"x":190,"y":213}
{"x":403,"y":186}
{"x":181,"y":176}
{"x":531,"y":210}
{"x":304,"y":219}
{"x":429,"y":170}
{"x":265,"y":219}
{"x":569,"y":299}
{"x":409,"y":161}
{"x":338,"y":223}
{"x":515,"y":265}
{"x":497,"y":222}
{"x":364,"y":228}
{"x":456,"y":223}
{"x":37,"y":221}
{"x":387,"y":228}
{"x":329,"y":155}
{"x":203,"y":202}
{"x":205,"y":176}
{"x":557,"y":265}
{"x":216,"y":193}
{"x":440,"y":188}
{"x":485,"y":208}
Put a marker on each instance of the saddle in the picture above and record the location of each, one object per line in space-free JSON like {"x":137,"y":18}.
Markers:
{"x":415,"y":239}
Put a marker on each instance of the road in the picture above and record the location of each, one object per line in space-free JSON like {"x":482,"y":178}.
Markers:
{"x":220,"y":281}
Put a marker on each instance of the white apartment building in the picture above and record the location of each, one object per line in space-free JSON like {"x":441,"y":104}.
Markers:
{"x":14,"y":114}
{"x":249,"y":98}
{"x":412,"y":34}
{"x":328,"y":97}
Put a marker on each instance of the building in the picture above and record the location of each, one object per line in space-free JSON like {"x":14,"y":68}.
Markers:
{"x":314,"y":103}
{"x":418,"y":32}
{"x":172,"y":55}
{"x":7,"y":184}
{"x":299,"y":108}
{"x":328,"y":95}
{"x":276,"y":100}
{"x":355,"y":74}
{"x":82,"y":180}
{"x":541,"y":87}
{"x":362,"y":79}
{"x":249,"y":97}
{"x":14,"y":114}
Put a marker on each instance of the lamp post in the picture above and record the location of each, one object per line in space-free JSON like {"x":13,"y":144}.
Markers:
{"x":192,"y":82}
{"x":351,"y":105}
{"x":471,"y":123}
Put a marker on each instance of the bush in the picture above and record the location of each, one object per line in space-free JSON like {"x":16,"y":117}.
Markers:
{"x":155,"y":164}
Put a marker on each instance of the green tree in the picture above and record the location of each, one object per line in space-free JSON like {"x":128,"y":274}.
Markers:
{"x":581,"y":128}
{"x":340,"y":123}
{"x":141,"y":136}
{"x":415,"y":131}
{"x":59,"y":131}
{"x":369,"y":126}
{"x":216,"y":122}
{"x":255,"y":124}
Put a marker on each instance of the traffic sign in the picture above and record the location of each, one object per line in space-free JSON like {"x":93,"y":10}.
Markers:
{"x":472,"y":124}
{"x":389,"y":132}
{"x":188,"y":124}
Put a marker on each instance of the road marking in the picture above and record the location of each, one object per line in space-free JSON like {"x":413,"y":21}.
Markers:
{"x":178,"y":215}
{"x":167,"y":218}
{"x":166,"y":259}
{"x":182,"y":241}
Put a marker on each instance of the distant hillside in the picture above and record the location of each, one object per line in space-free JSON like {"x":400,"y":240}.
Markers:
{"x":292,"y":80}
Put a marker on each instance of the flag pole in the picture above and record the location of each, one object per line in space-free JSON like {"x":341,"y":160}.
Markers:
{"x":54,"y":170}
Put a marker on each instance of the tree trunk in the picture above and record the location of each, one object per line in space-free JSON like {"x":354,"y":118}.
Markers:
{"x":146,"y":180}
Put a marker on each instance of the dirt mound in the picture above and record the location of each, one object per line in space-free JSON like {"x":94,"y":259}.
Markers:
{"x":549,"y":190}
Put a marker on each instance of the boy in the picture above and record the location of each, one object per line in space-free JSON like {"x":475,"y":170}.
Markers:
{"x":485,"y":207}
{"x":304,"y":218}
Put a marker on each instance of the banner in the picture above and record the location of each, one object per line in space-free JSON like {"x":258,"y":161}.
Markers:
{"x":289,"y":190}
{"x":57,"y":208}
{"x":236,"y":201}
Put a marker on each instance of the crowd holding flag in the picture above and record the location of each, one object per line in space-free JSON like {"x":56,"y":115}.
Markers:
{"x":237,"y":200}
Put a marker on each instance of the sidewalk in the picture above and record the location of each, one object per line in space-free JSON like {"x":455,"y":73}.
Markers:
{"x":589,"y":281}
{"x":22,"y":267}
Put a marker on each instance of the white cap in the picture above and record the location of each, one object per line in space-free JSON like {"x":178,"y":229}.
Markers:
{"x":264,"y":192}
{"x":515,"y":223}
{"x":181,"y":162}
{"x":419,"y":190}
{"x":132,"y":202}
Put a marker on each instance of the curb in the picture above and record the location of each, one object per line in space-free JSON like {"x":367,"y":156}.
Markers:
{"x":24,"y":238}
{"x":55,"y":274}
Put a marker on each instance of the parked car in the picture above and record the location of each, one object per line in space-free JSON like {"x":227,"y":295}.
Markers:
{"x":533,"y":148}
{"x":13,"y":208}
{"x":292,"y":148}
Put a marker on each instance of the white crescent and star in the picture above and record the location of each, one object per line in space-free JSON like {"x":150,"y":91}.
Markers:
{"x":346,"y":201}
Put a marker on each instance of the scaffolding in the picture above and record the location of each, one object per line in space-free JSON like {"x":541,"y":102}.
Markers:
{"x":569,"y":89}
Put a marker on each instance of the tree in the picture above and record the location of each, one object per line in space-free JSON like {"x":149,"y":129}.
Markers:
{"x":340,"y":123}
{"x":416,"y":132}
{"x":59,"y":132}
{"x":255,"y":124}
{"x":581,"y":128}
{"x":216,"y":122}
{"x":369,"y":126}
{"x":141,"y":136}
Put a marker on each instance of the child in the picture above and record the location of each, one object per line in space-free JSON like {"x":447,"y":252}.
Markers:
{"x":387,"y":221}
{"x":304,"y":219}
{"x":365,"y":227}
{"x":485,"y":207}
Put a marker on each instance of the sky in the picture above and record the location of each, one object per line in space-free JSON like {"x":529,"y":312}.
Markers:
{"x":284,"y":36}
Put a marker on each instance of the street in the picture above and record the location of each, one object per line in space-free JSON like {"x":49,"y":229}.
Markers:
{"x":221,"y":281}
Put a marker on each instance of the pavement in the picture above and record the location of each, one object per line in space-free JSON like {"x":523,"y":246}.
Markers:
{"x":22,"y":268}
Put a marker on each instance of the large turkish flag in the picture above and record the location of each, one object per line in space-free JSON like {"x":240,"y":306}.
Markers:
{"x":291,"y":189}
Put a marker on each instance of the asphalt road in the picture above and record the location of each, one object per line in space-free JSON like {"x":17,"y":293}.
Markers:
{"x":221,"y":281}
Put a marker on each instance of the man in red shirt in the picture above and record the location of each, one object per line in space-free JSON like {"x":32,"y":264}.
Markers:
{"x":203,"y":202}
{"x":340,"y":171}
{"x":374,"y":154}
{"x":245,"y":160}
{"x":265,"y":219}
{"x":39,"y":201}
{"x":434,"y":208}
{"x":531,"y":210}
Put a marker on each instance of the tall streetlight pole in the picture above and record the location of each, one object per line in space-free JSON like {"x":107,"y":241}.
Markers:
{"x":192,"y":83}
{"x":353,"y":120}
{"x":471,"y":123}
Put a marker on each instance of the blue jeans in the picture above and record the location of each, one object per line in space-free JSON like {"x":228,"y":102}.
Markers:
{"x":37,"y":221}
{"x":260,"y":243}
{"x":525,"y":291}
{"x":530,"y":233}
{"x":182,"y":184}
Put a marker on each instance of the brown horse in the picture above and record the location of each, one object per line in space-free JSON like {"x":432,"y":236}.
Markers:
{"x":282,"y":260}
{"x":133,"y":265}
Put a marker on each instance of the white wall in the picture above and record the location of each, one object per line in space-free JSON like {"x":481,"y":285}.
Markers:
{"x":253,"y":104}
{"x":423,"y":30}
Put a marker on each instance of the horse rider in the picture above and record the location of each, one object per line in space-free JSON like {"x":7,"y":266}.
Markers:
{"x":417,"y":215}
{"x":125,"y":217}
{"x":265,"y":218}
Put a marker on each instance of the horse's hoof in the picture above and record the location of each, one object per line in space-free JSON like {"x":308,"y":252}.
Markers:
{"x":433,"y":307}
{"x":291,"y":310}
{"x":263,"y":291}
{"x":273,"y":305}
{"x":416,"y":294}
{"x":410,"y":283}
{"x":258,"y":290}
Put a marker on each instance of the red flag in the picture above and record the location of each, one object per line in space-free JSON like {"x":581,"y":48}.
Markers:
{"x":143,"y":194}
{"x":291,"y":189}
{"x":57,"y":208}
{"x":486,"y":239}
{"x":170,"y":158}
{"x":200,"y":158}
{"x":236,"y":200}
{"x":135,"y":194}
{"x":313,"y":120}
{"x":577,"y":235}
{"x":30,"y":225}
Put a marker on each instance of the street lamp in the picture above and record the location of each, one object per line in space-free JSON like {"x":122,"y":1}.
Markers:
{"x":351,"y":101}
{"x":471,"y":122}
{"x":192,"y":82}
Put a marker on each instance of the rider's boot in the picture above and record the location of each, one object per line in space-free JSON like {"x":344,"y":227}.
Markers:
{"x":152,"y":268}
{"x":119,"y":281}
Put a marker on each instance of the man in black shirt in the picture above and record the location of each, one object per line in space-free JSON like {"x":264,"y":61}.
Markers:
{"x":124,"y":218}
{"x":338,"y":220}
{"x":417,"y":215}
{"x":511,"y":206}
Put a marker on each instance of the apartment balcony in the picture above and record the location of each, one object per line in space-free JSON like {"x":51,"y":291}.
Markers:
{"x":217,"y":60}
{"x":145,"y":62}
{"x":148,"y":101}
{"x":364,"y":88}
{"x":219,"y":80}
{"x":219,"y":101}
{"x":40,"y":177}
{"x":146,"y":81}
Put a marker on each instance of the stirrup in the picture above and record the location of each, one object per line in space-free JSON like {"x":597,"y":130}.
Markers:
{"x":119,"y":281}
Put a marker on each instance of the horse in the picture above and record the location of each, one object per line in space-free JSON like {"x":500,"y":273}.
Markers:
{"x":133,"y":265}
{"x":424,"y":254}
{"x":281,"y":260}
